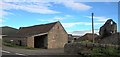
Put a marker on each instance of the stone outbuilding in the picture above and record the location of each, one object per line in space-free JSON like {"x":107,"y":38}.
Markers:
{"x":51,"y":35}
{"x":87,"y":36}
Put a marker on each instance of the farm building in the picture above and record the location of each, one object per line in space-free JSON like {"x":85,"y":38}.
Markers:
{"x":87,"y":36}
{"x":51,"y":35}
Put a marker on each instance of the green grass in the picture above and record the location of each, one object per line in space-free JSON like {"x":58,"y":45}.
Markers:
{"x":9,"y":44}
{"x":103,"y":52}
{"x":108,"y":52}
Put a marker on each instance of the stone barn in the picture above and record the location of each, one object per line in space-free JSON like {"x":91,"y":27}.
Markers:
{"x":51,"y":35}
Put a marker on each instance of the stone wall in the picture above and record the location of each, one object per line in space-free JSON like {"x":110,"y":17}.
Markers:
{"x":30,"y":41}
{"x":75,"y":48}
{"x":113,"y":39}
{"x":57,"y":37}
{"x":72,"y":48}
{"x":15,"y":40}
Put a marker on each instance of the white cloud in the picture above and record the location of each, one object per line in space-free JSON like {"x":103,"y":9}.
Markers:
{"x":70,"y":24}
{"x":76,"y":5}
{"x":33,"y":7}
{"x":62,"y":0}
{"x":68,"y":16}
{"x":1,"y":20}
{"x":39,"y":7}
{"x":42,"y":6}
{"x":99,"y":18}
{"x":3,"y":14}
{"x":79,"y":23}
{"x":73,"y":4}
{"x":83,"y":32}
{"x":56,"y":18}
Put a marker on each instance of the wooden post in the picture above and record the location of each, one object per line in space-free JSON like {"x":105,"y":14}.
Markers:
{"x":93,"y":27}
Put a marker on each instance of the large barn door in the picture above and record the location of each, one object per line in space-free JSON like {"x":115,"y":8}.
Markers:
{"x":39,"y":41}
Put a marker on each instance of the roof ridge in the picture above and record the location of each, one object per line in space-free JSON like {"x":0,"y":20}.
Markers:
{"x":31,"y":30}
{"x":39,"y":25}
{"x":8,"y":27}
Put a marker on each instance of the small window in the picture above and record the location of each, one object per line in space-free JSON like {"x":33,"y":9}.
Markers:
{"x":111,"y":23}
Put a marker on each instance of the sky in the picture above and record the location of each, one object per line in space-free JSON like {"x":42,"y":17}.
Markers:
{"x":75,"y":16}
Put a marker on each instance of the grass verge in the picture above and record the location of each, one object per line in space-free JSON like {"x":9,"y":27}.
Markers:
{"x":9,"y":44}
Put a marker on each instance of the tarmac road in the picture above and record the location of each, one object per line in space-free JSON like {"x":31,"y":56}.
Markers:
{"x":16,"y":52}
{"x":10,"y":53}
{"x":33,"y":52}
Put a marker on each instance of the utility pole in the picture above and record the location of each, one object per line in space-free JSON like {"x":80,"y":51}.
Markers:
{"x":93,"y":27}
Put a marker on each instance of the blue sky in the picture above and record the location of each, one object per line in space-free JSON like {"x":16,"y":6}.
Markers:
{"x":75,"y":16}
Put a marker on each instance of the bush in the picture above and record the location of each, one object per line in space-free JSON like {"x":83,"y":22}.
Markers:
{"x":98,"y":52}
{"x":86,"y":41}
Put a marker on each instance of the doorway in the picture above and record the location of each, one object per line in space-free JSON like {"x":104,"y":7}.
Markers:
{"x":39,"y":41}
{"x":20,"y":42}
